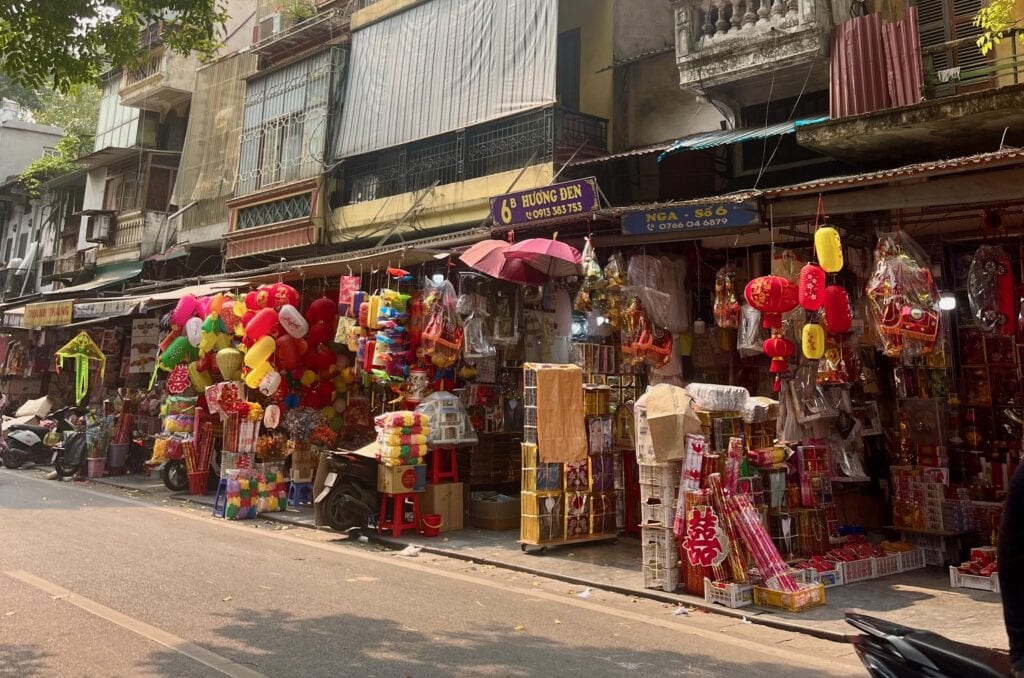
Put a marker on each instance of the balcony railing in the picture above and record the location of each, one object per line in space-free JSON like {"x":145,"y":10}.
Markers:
{"x":69,"y":264}
{"x":154,"y":63}
{"x":548,"y":135}
{"x":129,"y":229}
{"x":973,"y":71}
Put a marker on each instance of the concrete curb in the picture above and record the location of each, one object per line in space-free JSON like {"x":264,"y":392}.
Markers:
{"x":754,"y":616}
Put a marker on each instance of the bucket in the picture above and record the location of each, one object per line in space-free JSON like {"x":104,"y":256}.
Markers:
{"x":197,"y":482}
{"x":430,"y":524}
{"x":117,"y":456}
{"x":96,"y":465}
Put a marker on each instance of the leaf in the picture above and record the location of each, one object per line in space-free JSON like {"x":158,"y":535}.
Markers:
{"x":520,"y":627}
{"x":226,"y":598}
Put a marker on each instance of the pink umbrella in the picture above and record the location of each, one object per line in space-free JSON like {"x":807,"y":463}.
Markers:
{"x":488,"y":256}
{"x":549,"y":256}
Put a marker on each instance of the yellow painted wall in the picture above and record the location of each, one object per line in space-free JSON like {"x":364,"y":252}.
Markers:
{"x":447,"y":205}
{"x":1004,"y":52}
{"x":379,"y":10}
{"x":594,"y":19}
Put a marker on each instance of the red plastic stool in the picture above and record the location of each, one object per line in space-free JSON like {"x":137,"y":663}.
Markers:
{"x":397,"y":522}
{"x":444,"y":465}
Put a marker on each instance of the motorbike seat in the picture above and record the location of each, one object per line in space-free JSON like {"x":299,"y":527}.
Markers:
{"x":959,"y":659}
{"x":40,"y":431}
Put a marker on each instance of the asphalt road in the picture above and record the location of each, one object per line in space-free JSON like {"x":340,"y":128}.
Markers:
{"x":93,"y":583}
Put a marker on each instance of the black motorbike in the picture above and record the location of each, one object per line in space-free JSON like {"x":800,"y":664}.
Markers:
{"x":25,"y":443}
{"x":352,"y":483}
{"x":70,"y":455}
{"x":892,"y":651}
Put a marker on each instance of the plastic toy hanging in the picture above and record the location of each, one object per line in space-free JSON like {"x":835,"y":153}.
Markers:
{"x":990,"y":290}
{"x":727,"y":307}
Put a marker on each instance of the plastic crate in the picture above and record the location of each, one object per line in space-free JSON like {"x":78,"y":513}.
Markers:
{"x":885,"y":565}
{"x":659,"y":494}
{"x":660,"y":547}
{"x":829,"y":578}
{"x":666,"y":475}
{"x":808,"y":596}
{"x":660,"y":577}
{"x":657,"y":514}
{"x":856,"y":570}
{"x":729,"y":594}
{"x":958,"y":580}
{"x":911,"y":560}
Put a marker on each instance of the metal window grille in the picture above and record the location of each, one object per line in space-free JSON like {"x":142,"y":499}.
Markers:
{"x":294,"y":207}
{"x":502,"y":145}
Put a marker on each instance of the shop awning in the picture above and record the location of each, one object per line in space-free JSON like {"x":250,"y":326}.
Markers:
{"x":106,"y":309}
{"x":706,"y":140}
{"x":111,"y":274}
{"x":201,"y":290}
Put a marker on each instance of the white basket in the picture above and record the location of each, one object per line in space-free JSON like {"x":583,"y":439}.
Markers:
{"x":885,"y":566}
{"x":658,"y":577}
{"x":666,"y":475}
{"x":911,"y":560}
{"x":958,"y":580}
{"x":729,"y":594}
{"x":657,"y":514}
{"x":856,"y":570}
{"x":935,"y":557}
{"x":660,"y":547}
{"x":658,"y":493}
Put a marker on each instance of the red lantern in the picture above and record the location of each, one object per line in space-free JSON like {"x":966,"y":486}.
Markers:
{"x":261,"y":324}
{"x":280,"y":294}
{"x":319,"y":333}
{"x":812,"y":287}
{"x":779,"y":349}
{"x":837,"y":310}
{"x":288,"y":353}
{"x":252,"y":301}
{"x":322,"y":309}
{"x":772,"y":295}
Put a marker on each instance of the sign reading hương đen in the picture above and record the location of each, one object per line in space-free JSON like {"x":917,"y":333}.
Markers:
{"x":567,"y":200}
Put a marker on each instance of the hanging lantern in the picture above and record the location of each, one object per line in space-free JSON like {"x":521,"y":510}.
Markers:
{"x":811,"y":288}
{"x":779,"y":349}
{"x":772,"y":295}
{"x":837,"y":310}
{"x":829,"y":249}
{"x":812,"y":340}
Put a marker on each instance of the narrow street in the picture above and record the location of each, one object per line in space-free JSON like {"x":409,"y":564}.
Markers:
{"x":93,"y":583}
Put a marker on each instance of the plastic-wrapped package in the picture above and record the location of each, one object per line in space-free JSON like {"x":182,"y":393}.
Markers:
{"x":442,"y":337}
{"x":749,"y":340}
{"x":478,"y":342}
{"x":903,"y":301}
{"x":990,"y":290}
{"x":719,"y":397}
{"x":726,"y":305}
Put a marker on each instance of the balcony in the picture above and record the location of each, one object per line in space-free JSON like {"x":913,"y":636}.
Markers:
{"x":134,"y":237}
{"x":163,"y":81}
{"x":734,"y":48}
{"x":971,"y":104}
{"x":534,"y":138}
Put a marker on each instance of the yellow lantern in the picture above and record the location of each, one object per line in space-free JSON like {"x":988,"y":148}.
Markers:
{"x":260,"y":352}
{"x":829,"y":249}
{"x":255,"y":376}
{"x":813,"y":341}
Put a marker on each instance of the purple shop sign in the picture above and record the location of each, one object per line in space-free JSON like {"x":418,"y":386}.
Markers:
{"x":556,"y":202}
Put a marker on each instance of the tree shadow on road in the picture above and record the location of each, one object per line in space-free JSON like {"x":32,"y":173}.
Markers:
{"x":22,"y":660}
{"x":352,"y":645}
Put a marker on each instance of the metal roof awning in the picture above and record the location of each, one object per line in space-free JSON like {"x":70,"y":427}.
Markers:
{"x":706,"y":140}
{"x":633,"y":153}
{"x":110,"y":274}
{"x":200,"y":290}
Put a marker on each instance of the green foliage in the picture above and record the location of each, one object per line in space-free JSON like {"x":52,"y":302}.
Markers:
{"x":12,"y":90}
{"x":69,"y":148}
{"x":73,"y":41}
{"x":299,"y":10}
{"x":995,"y":21}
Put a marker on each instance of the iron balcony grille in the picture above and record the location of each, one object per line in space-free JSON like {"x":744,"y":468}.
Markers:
{"x":546,"y":135}
{"x":294,"y":207}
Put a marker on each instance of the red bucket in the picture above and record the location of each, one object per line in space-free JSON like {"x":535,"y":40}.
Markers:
{"x":197,"y":482}
{"x":430,"y":524}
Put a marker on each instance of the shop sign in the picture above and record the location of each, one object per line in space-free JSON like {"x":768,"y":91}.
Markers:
{"x":564,"y":201}
{"x":48,"y":314}
{"x":691,"y":218}
{"x":105,"y":309}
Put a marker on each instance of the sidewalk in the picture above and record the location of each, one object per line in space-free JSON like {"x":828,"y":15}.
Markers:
{"x":920,"y":599}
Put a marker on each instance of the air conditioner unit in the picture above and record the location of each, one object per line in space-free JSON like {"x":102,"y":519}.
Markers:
{"x":268,"y":26}
{"x":100,"y":229}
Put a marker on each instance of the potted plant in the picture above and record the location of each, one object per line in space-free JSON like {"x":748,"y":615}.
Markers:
{"x":97,"y":460}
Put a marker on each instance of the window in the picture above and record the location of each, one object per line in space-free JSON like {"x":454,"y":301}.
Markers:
{"x":941,"y":21}
{"x":158,"y":191}
{"x":567,"y":80}
{"x":50,"y":152}
{"x":23,"y":245}
{"x":122,"y":192}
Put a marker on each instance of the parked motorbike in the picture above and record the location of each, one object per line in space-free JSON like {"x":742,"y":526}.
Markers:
{"x":353,"y":496}
{"x":24,"y":443}
{"x":892,"y":651}
{"x":69,"y":456}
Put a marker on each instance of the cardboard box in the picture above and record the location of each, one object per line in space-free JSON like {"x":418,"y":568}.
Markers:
{"x":401,"y":479}
{"x":445,"y":500}
{"x":493,"y":511}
